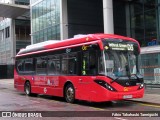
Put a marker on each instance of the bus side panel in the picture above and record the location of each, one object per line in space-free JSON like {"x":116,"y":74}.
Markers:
{"x":49,"y":85}
{"x":87,"y":89}
{"x":18,"y":81}
{"x":82,"y":84}
{"x":54,"y":86}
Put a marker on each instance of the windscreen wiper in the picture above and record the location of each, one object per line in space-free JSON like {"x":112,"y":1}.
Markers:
{"x":138,"y":77}
{"x":114,"y":80}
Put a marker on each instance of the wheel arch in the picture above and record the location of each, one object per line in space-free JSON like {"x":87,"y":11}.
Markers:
{"x":67,"y":83}
{"x":26,"y":82}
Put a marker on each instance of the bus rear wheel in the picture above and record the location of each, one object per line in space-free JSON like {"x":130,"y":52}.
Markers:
{"x":69,"y":93}
{"x":27,"y":88}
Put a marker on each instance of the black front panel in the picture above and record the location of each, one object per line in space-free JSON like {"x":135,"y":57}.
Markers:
{"x":127,"y":83}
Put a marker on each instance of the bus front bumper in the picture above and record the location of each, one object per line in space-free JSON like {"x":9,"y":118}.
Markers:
{"x":112,"y":96}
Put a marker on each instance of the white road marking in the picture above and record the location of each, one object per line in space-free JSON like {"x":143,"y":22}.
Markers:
{"x":35,"y":101}
{"x":120,"y":118}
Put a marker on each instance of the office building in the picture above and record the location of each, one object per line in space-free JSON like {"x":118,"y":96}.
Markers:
{"x":14,"y":32}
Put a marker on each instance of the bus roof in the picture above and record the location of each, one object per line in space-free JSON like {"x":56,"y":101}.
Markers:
{"x":51,"y":44}
{"x":150,"y":49}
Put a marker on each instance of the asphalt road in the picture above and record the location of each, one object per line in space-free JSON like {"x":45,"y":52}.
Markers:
{"x":18,"y":104}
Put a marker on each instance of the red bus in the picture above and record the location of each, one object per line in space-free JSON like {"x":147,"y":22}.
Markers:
{"x":94,"y":67}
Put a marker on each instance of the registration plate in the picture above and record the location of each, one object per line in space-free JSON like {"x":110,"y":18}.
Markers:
{"x":127,"y":96}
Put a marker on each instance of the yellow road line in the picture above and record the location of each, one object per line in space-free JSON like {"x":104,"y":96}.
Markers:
{"x":150,"y":105}
{"x":98,"y":108}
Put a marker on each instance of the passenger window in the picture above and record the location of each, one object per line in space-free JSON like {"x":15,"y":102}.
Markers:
{"x":20,"y":65}
{"x":72,"y":61}
{"x":29,"y":65}
{"x":54,"y":65}
{"x":41,"y":66}
{"x":69,"y":64}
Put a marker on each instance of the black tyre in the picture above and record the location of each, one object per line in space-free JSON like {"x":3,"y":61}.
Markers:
{"x":27,"y":88}
{"x":69,"y":93}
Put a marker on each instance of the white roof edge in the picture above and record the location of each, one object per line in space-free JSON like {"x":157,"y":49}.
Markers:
{"x":79,"y":35}
{"x":41,"y":44}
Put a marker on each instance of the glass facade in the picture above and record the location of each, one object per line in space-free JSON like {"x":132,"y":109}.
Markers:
{"x":22,"y":32}
{"x":45,"y":20}
{"x":138,"y":19}
{"x":33,"y":1}
{"x":151,"y":67}
{"x":144,"y":21}
{"x":5,"y":41}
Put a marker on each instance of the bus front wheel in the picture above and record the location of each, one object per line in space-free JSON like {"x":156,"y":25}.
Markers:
{"x":69,"y":93}
{"x":27,"y":88}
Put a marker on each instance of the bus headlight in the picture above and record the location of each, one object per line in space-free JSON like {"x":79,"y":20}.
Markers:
{"x":105,"y":85}
{"x":141,"y":86}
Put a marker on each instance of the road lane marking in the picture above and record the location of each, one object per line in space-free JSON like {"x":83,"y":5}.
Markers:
{"x":150,"y":105}
{"x":97,"y":108}
{"x":120,"y":118}
{"x":35,"y":101}
{"x":147,"y":104}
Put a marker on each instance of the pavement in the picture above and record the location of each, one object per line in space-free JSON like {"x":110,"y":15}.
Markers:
{"x":151,"y":96}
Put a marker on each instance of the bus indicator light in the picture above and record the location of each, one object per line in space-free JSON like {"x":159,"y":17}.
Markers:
{"x":125,"y":89}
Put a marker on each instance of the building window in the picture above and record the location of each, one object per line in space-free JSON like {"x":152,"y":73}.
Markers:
{"x":144,"y":22}
{"x":1,"y":35}
{"x":7,"y":32}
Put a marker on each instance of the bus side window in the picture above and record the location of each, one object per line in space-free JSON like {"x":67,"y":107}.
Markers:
{"x":64,"y":64}
{"x":41,"y":67}
{"x":29,"y":65}
{"x":20,"y":65}
{"x":69,"y":63}
{"x":51,"y":67}
{"x":54,"y":65}
{"x":72,"y":61}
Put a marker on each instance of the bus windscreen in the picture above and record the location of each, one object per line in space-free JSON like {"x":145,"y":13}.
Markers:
{"x":121,"y":59}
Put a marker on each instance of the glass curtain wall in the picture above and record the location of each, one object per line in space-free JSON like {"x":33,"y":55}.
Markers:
{"x":45,"y":20}
{"x":22,"y":31}
{"x":144,"y":21}
{"x":5,"y":41}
